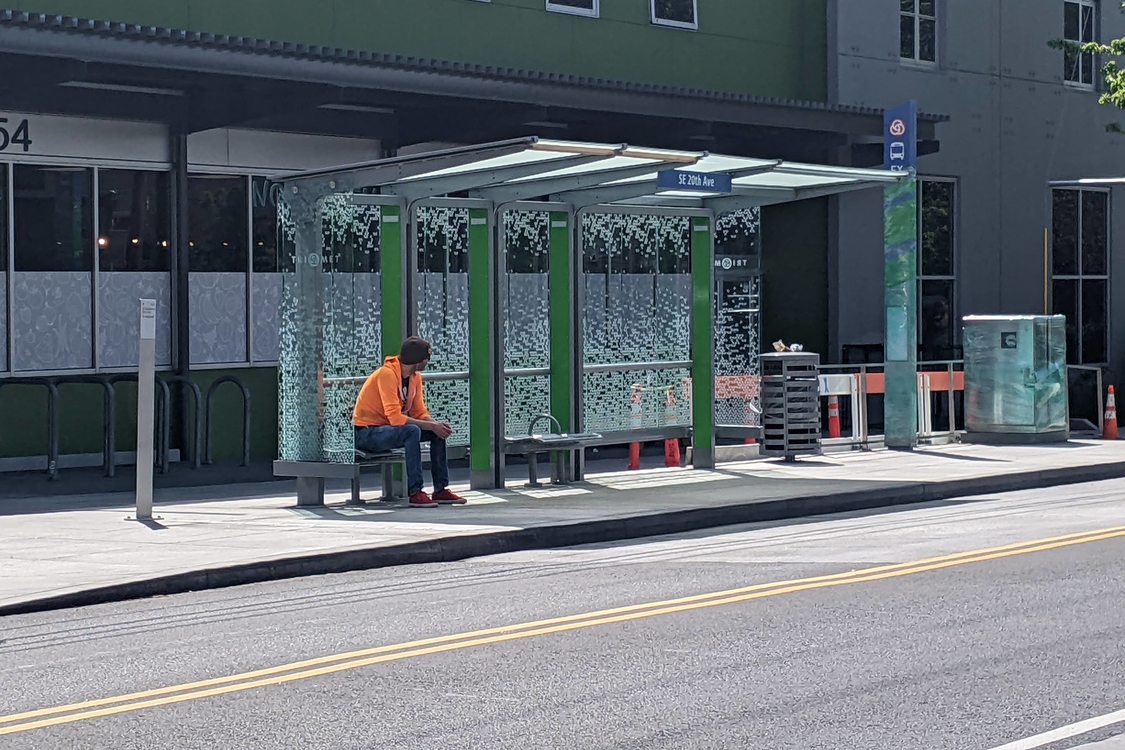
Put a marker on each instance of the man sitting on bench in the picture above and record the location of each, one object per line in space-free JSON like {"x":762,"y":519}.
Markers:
{"x":391,"y":413}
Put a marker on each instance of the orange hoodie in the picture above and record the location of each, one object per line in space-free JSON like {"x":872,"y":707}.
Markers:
{"x":381,"y":402}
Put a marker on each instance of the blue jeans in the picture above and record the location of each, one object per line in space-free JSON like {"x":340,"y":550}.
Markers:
{"x":410,"y":437}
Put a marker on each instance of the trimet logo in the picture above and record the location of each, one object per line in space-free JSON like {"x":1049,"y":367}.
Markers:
{"x":898,"y":128}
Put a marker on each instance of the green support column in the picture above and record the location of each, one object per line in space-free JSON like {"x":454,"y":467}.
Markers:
{"x":481,"y":369}
{"x":900,"y":258}
{"x":702,"y":344}
{"x":393,"y":279}
{"x":561,"y":287}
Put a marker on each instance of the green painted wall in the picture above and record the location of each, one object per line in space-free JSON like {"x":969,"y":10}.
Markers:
{"x":762,"y":47}
{"x":23,"y":424}
{"x":795,"y":274}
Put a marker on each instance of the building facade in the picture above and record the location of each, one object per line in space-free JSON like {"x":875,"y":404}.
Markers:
{"x":1010,"y":221}
{"x":139,"y":140}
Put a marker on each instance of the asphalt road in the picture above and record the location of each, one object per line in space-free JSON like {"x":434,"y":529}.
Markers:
{"x":883,"y":636}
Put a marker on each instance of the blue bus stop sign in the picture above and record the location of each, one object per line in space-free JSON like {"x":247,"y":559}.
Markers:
{"x":700,"y":182}
{"x":900,"y":138}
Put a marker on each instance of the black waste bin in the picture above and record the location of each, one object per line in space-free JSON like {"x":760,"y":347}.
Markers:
{"x":790,"y":404}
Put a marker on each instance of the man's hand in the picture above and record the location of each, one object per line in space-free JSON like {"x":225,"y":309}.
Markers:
{"x":442,"y":429}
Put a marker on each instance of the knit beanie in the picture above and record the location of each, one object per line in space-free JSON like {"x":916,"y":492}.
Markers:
{"x":414,"y":350}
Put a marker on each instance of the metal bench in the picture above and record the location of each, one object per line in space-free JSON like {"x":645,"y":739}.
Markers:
{"x":311,"y":475}
{"x":559,"y":443}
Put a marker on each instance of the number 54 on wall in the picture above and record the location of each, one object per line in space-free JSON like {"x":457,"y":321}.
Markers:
{"x":21,"y":136}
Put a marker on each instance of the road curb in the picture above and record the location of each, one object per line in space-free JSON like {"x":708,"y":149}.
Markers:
{"x":464,"y":546}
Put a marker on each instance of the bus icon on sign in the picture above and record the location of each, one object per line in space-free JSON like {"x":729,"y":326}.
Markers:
{"x":898,"y":151}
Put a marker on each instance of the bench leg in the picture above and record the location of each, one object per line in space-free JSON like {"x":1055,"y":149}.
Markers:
{"x":389,"y":483}
{"x":355,"y":499}
{"x":533,"y":470}
{"x":310,"y":491}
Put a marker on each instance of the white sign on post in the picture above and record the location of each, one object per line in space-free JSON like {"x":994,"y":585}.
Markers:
{"x":146,"y":375}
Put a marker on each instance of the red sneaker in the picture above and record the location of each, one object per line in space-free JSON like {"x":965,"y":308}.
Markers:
{"x":421,"y":500}
{"x":446,"y":497}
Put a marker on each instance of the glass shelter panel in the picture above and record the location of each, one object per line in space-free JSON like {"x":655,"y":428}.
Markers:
{"x":442,"y":310}
{"x":525,"y":303}
{"x":738,"y":318}
{"x":339,"y":314}
{"x":636,"y":324}
{"x":352,"y":329}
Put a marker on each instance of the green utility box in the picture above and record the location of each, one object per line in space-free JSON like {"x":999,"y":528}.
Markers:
{"x":1015,"y":378}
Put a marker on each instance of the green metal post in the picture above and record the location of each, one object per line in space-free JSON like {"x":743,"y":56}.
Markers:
{"x":900,"y":263}
{"x":481,"y":365}
{"x":702,"y":344}
{"x":561,"y":317}
{"x":393,"y":279}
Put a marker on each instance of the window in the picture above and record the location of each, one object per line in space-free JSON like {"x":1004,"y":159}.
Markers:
{"x":679,"y":13}
{"x":267,"y":257}
{"x":53,"y":218}
{"x":577,"y":7}
{"x":918,"y":30}
{"x":937,"y":275}
{"x":217,"y":223}
{"x":134,"y":220}
{"x":1078,"y":27}
{"x":3,"y":230}
{"x":1080,"y":272}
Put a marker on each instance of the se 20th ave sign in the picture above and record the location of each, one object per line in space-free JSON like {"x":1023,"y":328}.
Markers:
{"x":699,"y":182}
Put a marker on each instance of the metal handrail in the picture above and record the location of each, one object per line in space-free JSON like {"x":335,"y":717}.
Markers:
{"x":208,"y":457}
{"x":636,"y":366}
{"x":526,"y":372}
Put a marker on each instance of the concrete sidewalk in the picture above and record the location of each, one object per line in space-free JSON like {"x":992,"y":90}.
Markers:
{"x":86,"y":552}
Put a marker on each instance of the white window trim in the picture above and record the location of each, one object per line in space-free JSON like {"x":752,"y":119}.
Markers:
{"x":918,"y":17}
{"x":674,"y":24}
{"x":1093,"y":6}
{"x":555,"y":7}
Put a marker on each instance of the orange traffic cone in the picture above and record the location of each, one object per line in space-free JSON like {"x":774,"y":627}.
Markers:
{"x":671,"y":445}
{"x":833,"y":416}
{"x":1109,"y":427}
{"x":637,"y":418}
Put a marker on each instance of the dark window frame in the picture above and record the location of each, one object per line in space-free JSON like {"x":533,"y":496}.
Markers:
{"x":951,"y":277}
{"x":1080,"y":278}
{"x":656,"y":20}
{"x":562,"y":6}
{"x":1082,"y":72}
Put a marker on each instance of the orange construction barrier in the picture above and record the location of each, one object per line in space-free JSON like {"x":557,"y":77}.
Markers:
{"x":637,"y":417}
{"x":671,"y":445}
{"x":833,"y":417}
{"x":1109,"y":428}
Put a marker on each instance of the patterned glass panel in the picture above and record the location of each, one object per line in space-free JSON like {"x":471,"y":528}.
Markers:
{"x":265,"y":315}
{"x":119,"y":316}
{"x":3,"y":320}
{"x":637,"y":308}
{"x":442,"y":288}
{"x":526,"y":310}
{"x":217,"y":319}
{"x":738,"y":318}
{"x":329,"y":314}
{"x":352,"y":333}
{"x":51,"y":321}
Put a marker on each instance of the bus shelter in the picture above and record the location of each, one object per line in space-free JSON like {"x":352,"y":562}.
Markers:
{"x":576,"y":280}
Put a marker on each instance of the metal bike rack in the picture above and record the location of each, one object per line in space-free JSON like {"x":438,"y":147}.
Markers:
{"x":109,"y":416}
{"x":208,"y":443}
{"x":52,"y":419}
{"x":197,"y":395}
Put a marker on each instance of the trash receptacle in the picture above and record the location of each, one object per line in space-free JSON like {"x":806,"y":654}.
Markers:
{"x":790,"y":404}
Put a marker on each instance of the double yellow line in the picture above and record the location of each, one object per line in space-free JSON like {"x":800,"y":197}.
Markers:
{"x":326,"y":665}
